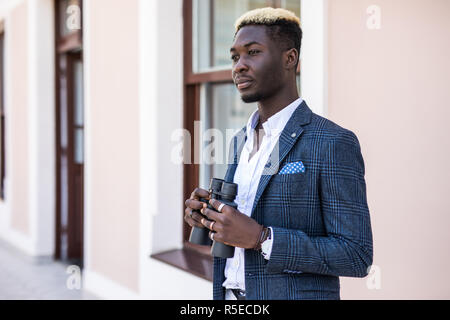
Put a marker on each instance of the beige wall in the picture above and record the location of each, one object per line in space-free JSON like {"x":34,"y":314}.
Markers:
{"x":391,"y":87}
{"x":18,"y":109}
{"x":113,"y":150}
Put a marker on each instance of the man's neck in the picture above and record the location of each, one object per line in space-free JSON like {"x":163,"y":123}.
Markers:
{"x":270,"y":106}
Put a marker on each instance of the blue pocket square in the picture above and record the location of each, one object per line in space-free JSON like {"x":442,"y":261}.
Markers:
{"x":292,"y":167}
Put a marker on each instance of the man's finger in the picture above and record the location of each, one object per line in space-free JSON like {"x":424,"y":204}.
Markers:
{"x":207,"y":223}
{"x":218,"y":237}
{"x":197,"y":216}
{"x":216,"y":204}
{"x":199,"y":193}
{"x":212,"y":215}
{"x":194,"y":204}
{"x":193,"y":219}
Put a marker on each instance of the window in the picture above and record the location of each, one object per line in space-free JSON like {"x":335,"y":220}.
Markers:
{"x":69,"y":131}
{"x":210,"y":96}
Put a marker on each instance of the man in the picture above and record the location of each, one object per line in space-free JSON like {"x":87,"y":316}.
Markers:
{"x":302,"y":219}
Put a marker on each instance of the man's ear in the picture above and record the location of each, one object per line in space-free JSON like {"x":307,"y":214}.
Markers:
{"x":291,"y":58}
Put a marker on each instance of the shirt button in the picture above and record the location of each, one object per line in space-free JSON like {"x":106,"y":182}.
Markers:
{"x":293,"y":135}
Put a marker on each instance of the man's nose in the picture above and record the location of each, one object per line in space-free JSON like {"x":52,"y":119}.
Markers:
{"x":240,"y":66}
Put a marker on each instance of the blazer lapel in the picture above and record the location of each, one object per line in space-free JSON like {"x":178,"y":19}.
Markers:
{"x":291,"y":133}
{"x":236,"y":147}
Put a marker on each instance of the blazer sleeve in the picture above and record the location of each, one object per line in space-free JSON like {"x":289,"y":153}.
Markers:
{"x":346,"y":249}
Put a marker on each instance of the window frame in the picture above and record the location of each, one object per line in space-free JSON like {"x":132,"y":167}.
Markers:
{"x":64,"y":44}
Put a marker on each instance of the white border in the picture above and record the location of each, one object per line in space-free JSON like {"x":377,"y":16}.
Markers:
{"x":314,"y":55}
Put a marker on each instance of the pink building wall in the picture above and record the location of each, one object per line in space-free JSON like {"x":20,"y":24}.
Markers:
{"x":113,"y":113}
{"x":19,"y":71}
{"x":391,"y":87}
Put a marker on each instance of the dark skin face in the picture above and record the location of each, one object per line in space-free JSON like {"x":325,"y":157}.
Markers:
{"x":262,"y":73}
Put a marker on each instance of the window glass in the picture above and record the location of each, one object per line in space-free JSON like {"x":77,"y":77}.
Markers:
{"x":78,"y":94}
{"x":213,"y":24}
{"x":291,"y":5}
{"x":78,"y":113}
{"x":78,"y":146}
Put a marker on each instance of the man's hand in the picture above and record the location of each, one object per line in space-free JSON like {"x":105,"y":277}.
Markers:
{"x":191,"y":217}
{"x":231,"y":226}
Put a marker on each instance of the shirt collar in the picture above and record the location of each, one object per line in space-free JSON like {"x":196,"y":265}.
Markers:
{"x":276,"y":123}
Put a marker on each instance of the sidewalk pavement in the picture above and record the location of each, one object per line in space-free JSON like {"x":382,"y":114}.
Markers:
{"x":22,"y":278}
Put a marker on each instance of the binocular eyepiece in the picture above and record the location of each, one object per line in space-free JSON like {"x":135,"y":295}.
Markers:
{"x":225,"y":192}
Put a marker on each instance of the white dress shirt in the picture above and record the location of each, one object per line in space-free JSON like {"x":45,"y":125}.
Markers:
{"x":247,"y":177}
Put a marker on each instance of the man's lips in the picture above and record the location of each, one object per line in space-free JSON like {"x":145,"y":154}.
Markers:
{"x":243,"y":84}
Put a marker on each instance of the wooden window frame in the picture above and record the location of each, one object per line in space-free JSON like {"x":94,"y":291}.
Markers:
{"x":63,"y":45}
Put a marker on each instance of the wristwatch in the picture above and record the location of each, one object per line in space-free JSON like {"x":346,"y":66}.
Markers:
{"x":266,"y":246}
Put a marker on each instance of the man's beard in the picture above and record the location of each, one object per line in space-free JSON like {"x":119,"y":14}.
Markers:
{"x":254,"y":97}
{"x":259,"y":95}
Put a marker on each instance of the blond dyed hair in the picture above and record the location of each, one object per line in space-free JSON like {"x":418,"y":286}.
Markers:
{"x":266,"y":16}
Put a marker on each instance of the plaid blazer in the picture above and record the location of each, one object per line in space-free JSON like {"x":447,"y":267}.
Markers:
{"x":319,"y":215}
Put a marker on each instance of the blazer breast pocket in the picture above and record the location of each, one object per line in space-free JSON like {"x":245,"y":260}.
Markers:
{"x":291,"y":172}
{"x":293,"y":168}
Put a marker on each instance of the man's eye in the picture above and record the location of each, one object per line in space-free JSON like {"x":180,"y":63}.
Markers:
{"x":253,"y":51}
{"x":234,"y":58}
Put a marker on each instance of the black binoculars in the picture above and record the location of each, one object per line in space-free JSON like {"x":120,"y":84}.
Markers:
{"x":225,"y":192}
